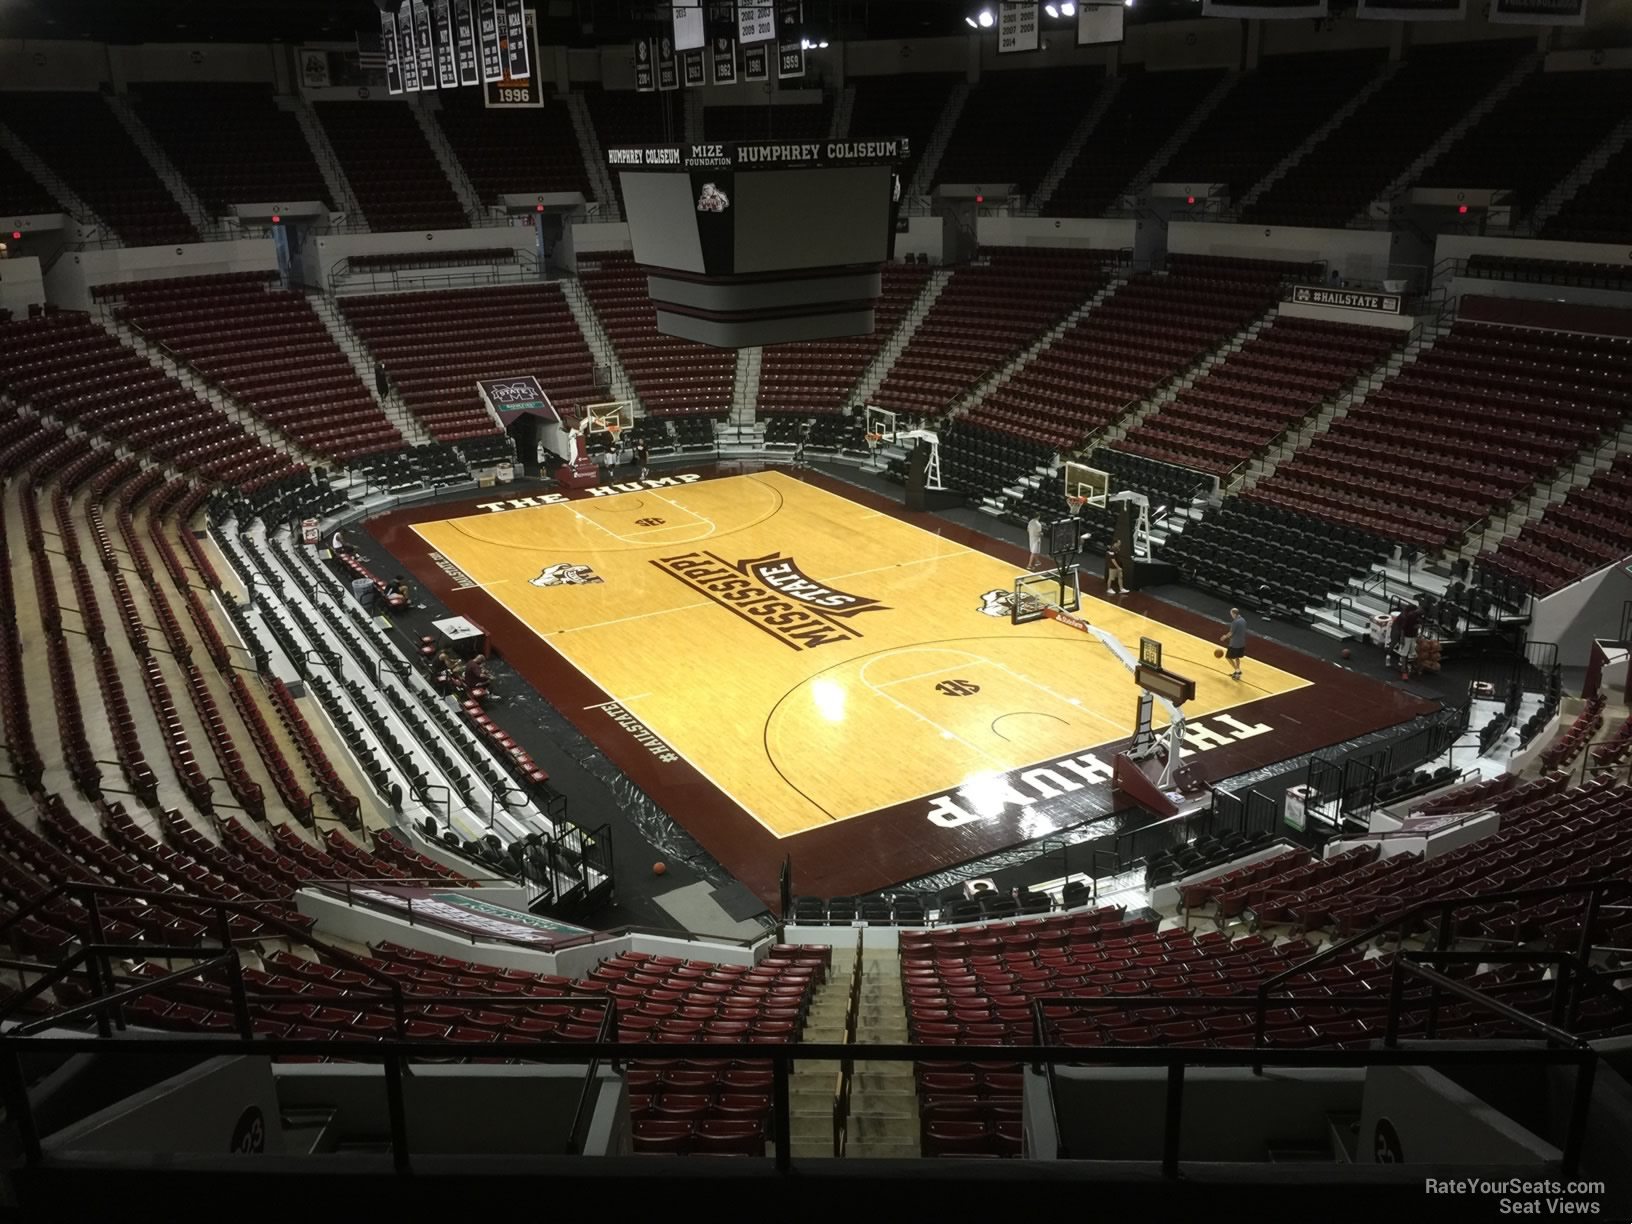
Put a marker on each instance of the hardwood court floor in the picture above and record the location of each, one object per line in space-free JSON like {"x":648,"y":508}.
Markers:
{"x":813,"y":658}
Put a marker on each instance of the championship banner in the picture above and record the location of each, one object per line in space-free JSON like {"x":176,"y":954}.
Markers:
{"x":756,"y":63}
{"x":1098,"y":24}
{"x":1539,"y":12}
{"x":790,"y":39}
{"x":464,"y":43}
{"x":517,"y":67}
{"x":755,"y":23}
{"x":425,"y":44}
{"x":447,"y":67}
{"x":406,"y":48}
{"x":723,"y":43}
{"x":645,"y":70}
{"x":487,"y":29}
{"x":688,"y":26}
{"x":693,"y":72}
{"x":1017,"y":28}
{"x":1267,"y":9}
{"x":388,"y":43}
{"x":668,"y":71}
{"x":314,"y":68}
{"x":1412,"y":10}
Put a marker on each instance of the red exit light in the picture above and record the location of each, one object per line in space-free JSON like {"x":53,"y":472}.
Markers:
{"x":1461,"y":208}
{"x":1189,"y":199}
{"x":276,"y":219}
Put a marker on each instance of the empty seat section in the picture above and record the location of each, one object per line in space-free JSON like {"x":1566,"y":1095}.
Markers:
{"x":232,"y":143}
{"x":988,"y":311}
{"x":1147,"y":108}
{"x":905,"y":105}
{"x":761,"y":121}
{"x":518,"y":149}
{"x":1586,"y":531}
{"x":436,"y":346}
{"x":77,"y":135}
{"x":1598,"y":212}
{"x":1258,"y":392}
{"x":1472,"y":424}
{"x":267,"y":349}
{"x":671,"y":376}
{"x":1143,"y":334}
{"x":1434,"y":88}
{"x":1535,"y":136}
{"x":1253,"y":127}
{"x":817,"y":376}
{"x":1014,"y":124}
{"x":20,"y":194}
{"x":396,"y":178}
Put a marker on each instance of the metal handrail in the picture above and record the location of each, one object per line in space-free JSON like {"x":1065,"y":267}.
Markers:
{"x":1441,"y":905}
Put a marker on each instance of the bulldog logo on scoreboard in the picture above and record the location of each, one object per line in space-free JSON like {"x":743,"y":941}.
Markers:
{"x":565,"y":574}
{"x":774,"y":595}
{"x":712,"y":199}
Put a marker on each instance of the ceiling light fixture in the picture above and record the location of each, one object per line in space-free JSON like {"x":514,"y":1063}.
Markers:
{"x":985,"y":18}
{"x":973,"y":24}
{"x":1069,"y":9}
{"x":1053,"y":10}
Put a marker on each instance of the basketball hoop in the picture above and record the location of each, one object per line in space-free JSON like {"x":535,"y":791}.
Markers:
{"x":1076,"y":503}
{"x":873,"y":439}
{"x":614,"y":430}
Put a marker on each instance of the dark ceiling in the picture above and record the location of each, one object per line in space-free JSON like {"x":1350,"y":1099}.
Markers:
{"x":569,"y":22}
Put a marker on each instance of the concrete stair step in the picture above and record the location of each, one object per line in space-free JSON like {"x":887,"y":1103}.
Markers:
{"x":882,"y":1149}
{"x":870,"y":1129}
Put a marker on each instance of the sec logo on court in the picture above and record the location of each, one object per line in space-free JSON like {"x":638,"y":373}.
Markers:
{"x":957,"y":688}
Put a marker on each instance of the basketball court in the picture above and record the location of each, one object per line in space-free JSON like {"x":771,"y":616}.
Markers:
{"x":815,"y":660}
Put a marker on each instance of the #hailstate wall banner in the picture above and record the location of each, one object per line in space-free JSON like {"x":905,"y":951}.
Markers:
{"x":1413,"y":10}
{"x":1267,"y":9}
{"x":1539,"y":12}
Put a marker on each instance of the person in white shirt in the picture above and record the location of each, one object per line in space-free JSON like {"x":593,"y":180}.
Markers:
{"x":1034,"y":541}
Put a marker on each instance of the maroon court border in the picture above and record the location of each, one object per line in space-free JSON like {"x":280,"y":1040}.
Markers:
{"x":885,"y":847}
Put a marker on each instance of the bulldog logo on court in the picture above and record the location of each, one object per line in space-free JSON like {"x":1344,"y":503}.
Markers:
{"x":565,"y":574}
{"x":773,"y":594}
{"x":997,"y":603}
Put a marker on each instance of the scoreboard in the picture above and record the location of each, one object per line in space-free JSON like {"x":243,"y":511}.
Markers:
{"x":510,"y":91}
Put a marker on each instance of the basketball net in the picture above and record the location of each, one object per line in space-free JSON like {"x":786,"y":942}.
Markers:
{"x":1076,"y":504}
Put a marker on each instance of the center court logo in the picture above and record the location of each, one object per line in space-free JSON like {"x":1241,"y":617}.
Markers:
{"x":773,"y":594}
{"x":565,"y":574}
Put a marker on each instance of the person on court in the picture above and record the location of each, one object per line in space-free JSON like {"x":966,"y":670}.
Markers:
{"x":1034,"y":541}
{"x":643,"y":458}
{"x":1115,"y":583}
{"x":1235,"y":640}
{"x":1403,"y":638}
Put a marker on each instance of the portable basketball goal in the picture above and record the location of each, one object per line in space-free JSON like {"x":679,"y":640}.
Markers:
{"x":612,"y":417}
{"x":1084,"y":485}
{"x":882,"y":427}
{"x":1057,"y":595}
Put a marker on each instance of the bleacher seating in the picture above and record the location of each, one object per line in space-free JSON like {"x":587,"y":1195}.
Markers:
{"x":1146,"y":109}
{"x":1469,"y":426}
{"x":1340,"y":176}
{"x":817,"y":376}
{"x":1597,"y":212}
{"x":672,"y":377}
{"x":20,"y":194}
{"x":396,"y":178}
{"x":987,"y":312}
{"x":232,"y":143}
{"x":70,"y":368}
{"x":436,"y":345}
{"x":1146,"y":332}
{"x":520,"y":149}
{"x":1587,"y":531}
{"x":906,"y":105}
{"x":1577,"y":273}
{"x":1014,"y":124}
{"x":1253,"y":127}
{"x":77,"y":135}
{"x":1535,"y":136}
{"x":1258,"y":392}
{"x":268,"y":349}
{"x":626,"y":119}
